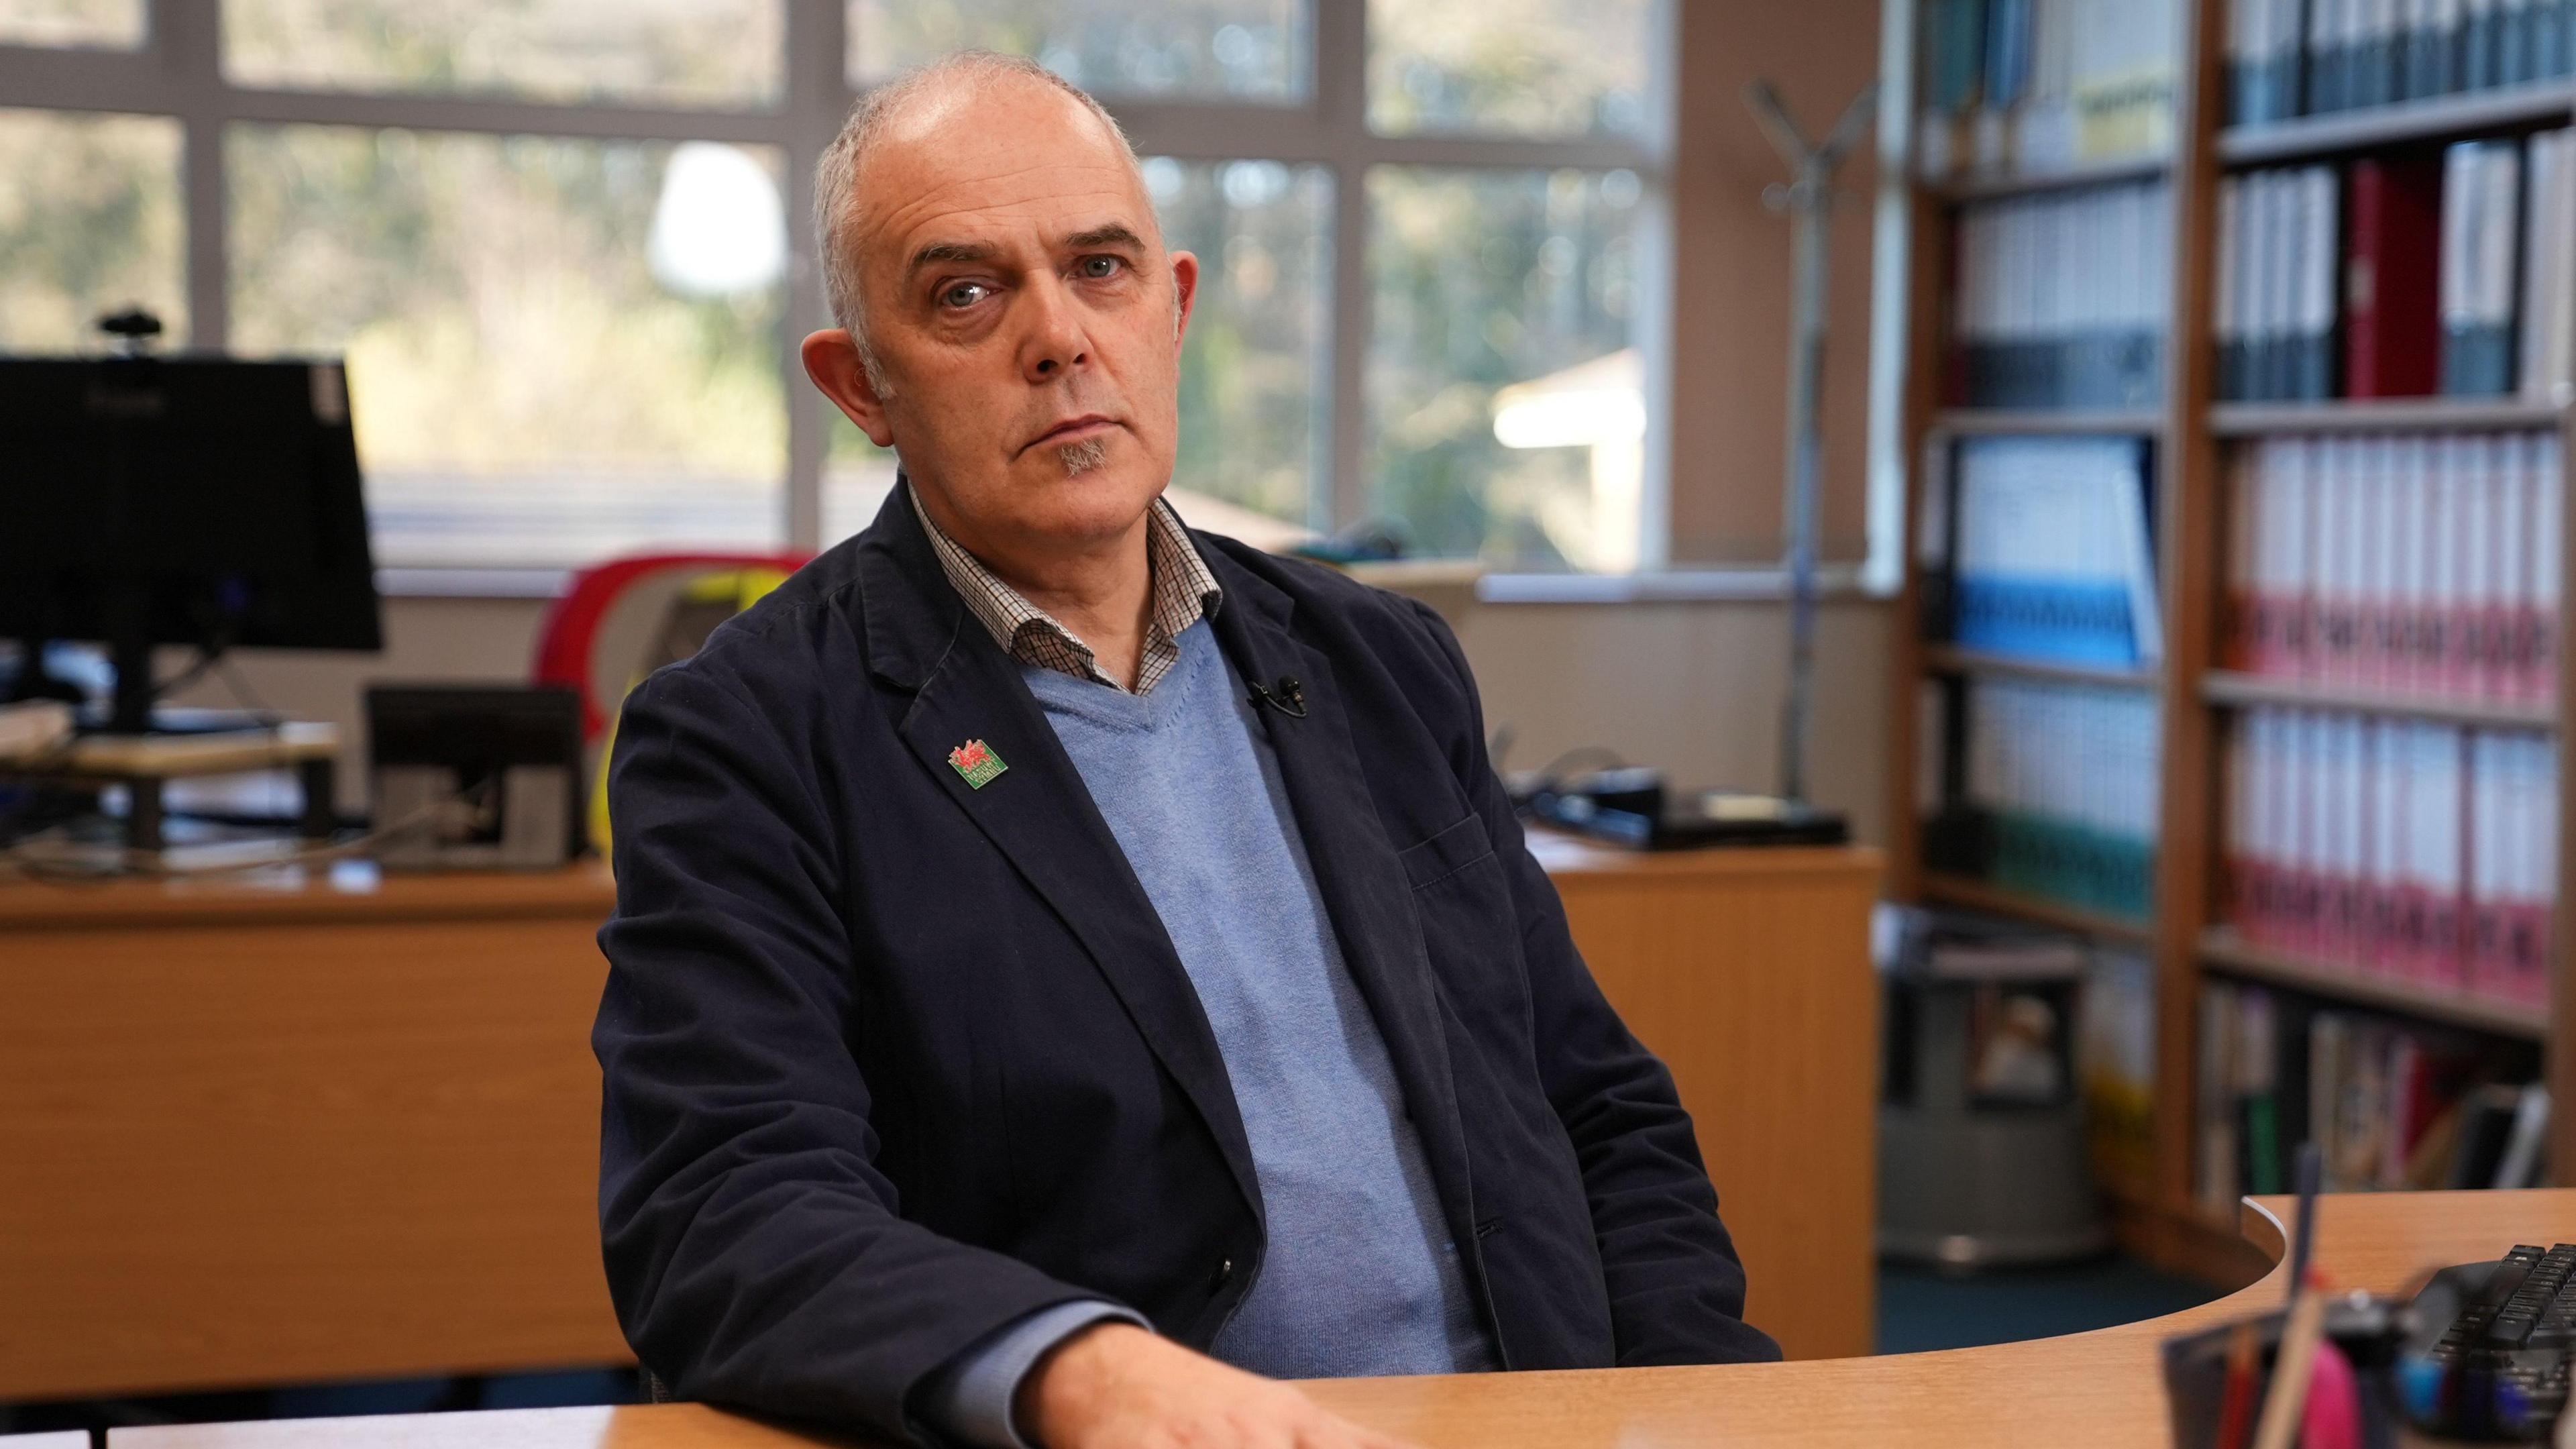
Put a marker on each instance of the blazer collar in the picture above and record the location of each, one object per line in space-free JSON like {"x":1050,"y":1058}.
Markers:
{"x":911,"y":614}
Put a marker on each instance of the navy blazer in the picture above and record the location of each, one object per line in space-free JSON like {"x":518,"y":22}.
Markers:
{"x":892,"y":1061}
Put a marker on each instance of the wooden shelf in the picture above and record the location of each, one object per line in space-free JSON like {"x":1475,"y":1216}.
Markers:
{"x":1989,"y":422}
{"x":2434,"y":119}
{"x":2191,"y":689}
{"x":2231,"y":954}
{"x":2089,"y":173}
{"x":1943,"y":659}
{"x":1974,"y":895}
{"x":2230,"y":688}
{"x":2383,"y":415}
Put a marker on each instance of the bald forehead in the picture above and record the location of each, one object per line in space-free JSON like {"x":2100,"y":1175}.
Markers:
{"x":1008,"y":142}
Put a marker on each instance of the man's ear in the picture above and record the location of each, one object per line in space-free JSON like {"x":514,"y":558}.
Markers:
{"x":832,"y":360}
{"x":1185,"y":286}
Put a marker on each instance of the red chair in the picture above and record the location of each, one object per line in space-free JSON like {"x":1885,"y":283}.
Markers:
{"x":626,"y":618}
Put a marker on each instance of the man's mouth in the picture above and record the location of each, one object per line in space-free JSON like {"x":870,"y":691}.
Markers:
{"x":1071,"y":430}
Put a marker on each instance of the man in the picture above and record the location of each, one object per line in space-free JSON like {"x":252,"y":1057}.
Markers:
{"x":1068,"y":968}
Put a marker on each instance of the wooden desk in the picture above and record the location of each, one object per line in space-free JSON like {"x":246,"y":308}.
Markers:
{"x":2101,"y":1390}
{"x":1748,"y":972}
{"x":281,"y":1132}
{"x":299,"y":1131}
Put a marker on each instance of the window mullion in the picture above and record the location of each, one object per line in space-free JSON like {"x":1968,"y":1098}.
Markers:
{"x":1341,"y":104}
{"x":184,"y":37}
{"x":817,"y":96}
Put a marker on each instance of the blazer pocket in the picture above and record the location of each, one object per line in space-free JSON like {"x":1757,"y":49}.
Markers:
{"x":1447,"y":852}
{"x":1472,"y":936}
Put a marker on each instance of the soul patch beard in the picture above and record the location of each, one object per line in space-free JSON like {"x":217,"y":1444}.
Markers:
{"x":1082,"y":456}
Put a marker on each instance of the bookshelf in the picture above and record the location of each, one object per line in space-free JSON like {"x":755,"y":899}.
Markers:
{"x":2508,"y":108}
{"x":1989,"y":187}
{"x":1944,"y":659}
{"x":1977,"y":895}
{"x":2040,"y":422}
{"x":2197,"y":693}
{"x":2225,"y":688}
{"x":2385,"y":415}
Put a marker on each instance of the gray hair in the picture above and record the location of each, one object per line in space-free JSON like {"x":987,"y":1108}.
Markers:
{"x":836,"y":176}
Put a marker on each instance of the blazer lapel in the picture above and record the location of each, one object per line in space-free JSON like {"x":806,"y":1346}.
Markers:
{"x":1363,"y":883}
{"x":1038,"y":812}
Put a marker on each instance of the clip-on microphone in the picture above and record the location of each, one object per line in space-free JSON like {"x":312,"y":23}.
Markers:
{"x":1290,"y":699}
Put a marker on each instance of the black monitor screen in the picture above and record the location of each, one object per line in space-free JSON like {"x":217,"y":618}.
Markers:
{"x":189,"y":501}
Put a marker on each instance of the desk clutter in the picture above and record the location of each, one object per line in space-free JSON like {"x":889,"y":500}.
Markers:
{"x":2479,"y":1352}
{"x":477,"y":775}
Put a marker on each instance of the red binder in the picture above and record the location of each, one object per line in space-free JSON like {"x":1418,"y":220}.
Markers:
{"x":2392,"y":296}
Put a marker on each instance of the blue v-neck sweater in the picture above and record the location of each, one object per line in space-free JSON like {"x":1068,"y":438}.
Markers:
{"x":1359,"y":1275}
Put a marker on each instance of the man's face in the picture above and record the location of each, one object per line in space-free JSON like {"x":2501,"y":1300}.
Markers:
{"x":1025,"y":318}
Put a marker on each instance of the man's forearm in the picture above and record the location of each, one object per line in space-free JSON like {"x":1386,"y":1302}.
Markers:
{"x":971,"y":1400}
{"x":1115,"y":1386}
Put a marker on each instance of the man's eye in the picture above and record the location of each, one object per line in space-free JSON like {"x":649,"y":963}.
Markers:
{"x":1100,"y":268}
{"x":963,"y":294}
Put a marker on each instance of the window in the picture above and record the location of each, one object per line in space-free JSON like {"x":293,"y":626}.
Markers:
{"x":1523,"y":67}
{"x":116,"y":24}
{"x":1252,"y":433}
{"x":89,"y":224}
{"x":646,"y":52}
{"x":1506,"y":400}
{"x":599,"y":314}
{"x":557,"y":242}
{"x":1218,"y":49}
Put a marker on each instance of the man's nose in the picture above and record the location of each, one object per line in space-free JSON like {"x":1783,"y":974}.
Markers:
{"x":1056,"y":341}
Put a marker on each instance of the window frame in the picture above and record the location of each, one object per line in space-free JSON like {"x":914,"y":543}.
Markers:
{"x":177,"y":73}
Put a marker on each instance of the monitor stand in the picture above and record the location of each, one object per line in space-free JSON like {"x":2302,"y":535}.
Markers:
{"x":129,"y":709}
{"x":176,"y":719}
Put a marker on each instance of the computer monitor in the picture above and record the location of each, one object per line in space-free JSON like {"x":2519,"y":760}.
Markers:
{"x":204,"y":502}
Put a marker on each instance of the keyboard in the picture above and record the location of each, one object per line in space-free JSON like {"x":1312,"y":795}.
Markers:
{"x":2491,"y":1344}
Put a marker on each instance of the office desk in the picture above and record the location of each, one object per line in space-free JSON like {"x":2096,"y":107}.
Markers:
{"x":302,"y":1130}
{"x":263,"y":1133}
{"x":1748,"y":972}
{"x":2100,"y":1390}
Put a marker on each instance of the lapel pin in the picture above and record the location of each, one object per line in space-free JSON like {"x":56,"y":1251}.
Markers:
{"x":976,"y":763}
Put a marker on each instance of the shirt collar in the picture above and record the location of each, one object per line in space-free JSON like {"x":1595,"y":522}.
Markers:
{"x":1183,"y":592}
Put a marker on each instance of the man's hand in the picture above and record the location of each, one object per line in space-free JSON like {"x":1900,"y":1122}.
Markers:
{"x":1115,"y":1386}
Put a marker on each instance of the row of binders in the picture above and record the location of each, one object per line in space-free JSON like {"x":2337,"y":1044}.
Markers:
{"x":2398,"y":850}
{"x":2032,"y":86}
{"x":2390,"y":1105}
{"x":2060,"y":299}
{"x":2047,"y":552}
{"x":2048,"y":790}
{"x":2408,"y":563}
{"x":2409,"y":274}
{"x":2290,"y":58}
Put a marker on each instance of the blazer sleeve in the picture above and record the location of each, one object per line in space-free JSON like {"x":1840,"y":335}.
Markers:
{"x":753,"y":1248}
{"x":1676,"y":1286}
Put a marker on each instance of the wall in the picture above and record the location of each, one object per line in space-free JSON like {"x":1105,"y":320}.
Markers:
{"x":1729,"y":403}
{"x":1693,"y":687}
